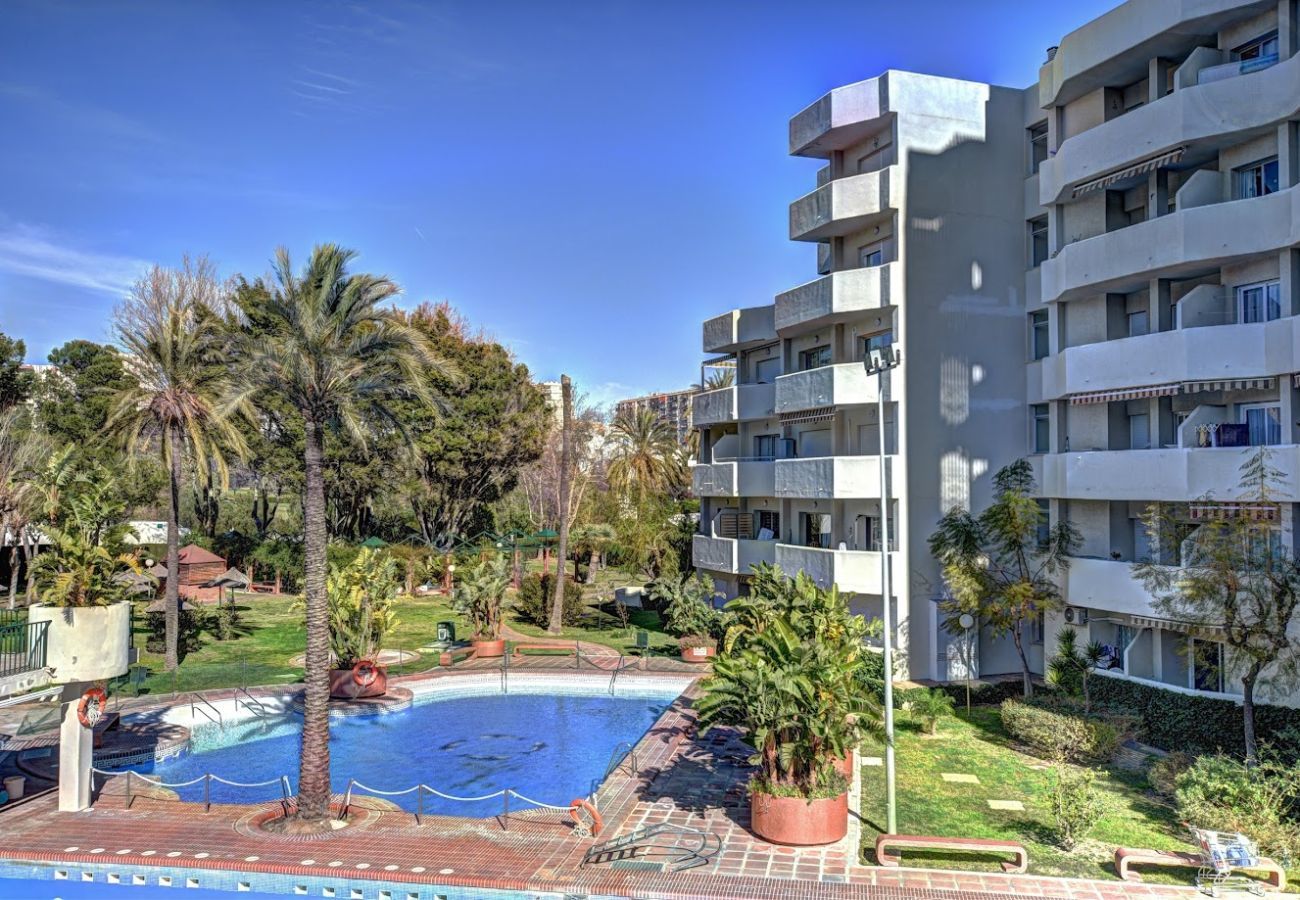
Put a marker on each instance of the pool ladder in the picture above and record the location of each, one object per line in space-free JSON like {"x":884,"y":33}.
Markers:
{"x":202,"y":702}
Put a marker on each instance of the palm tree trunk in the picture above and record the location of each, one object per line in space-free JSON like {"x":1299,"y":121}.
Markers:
{"x":314,"y":765}
{"x":172,"y":603}
{"x":557,"y":602}
{"x":13,"y":556}
{"x":30,"y":547}
{"x":591,"y":567}
{"x":20,"y":559}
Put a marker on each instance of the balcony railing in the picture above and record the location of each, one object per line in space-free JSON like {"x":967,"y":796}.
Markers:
{"x":22,"y":647}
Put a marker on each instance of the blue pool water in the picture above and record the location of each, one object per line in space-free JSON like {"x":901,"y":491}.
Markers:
{"x":550,"y":748}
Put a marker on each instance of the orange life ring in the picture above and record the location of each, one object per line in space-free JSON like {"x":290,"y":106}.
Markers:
{"x":576,"y":809}
{"x":365,"y":672}
{"x":91,"y":708}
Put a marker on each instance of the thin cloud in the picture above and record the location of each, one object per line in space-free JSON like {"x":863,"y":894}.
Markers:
{"x":332,"y":76}
{"x":34,"y":253}
{"x":317,"y":86}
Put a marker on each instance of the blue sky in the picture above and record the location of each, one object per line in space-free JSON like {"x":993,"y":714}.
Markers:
{"x":587,"y":180}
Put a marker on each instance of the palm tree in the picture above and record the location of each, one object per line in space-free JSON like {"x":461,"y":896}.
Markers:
{"x":320,"y":341}
{"x":644,"y":456}
{"x":183,"y":400}
{"x":22,"y":453}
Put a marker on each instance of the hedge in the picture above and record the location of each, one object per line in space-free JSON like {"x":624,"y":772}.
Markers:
{"x":986,"y":693}
{"x":1173,"y":721}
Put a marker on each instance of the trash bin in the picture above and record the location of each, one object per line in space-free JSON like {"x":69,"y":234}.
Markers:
{"x":446,"y":632}
{"x":14,"y":785}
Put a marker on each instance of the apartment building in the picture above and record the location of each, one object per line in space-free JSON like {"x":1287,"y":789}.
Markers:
{"x":674,"y":407}
{"x":1100,"y":272}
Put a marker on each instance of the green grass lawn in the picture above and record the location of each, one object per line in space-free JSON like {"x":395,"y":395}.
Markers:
{"x":929,"y":805}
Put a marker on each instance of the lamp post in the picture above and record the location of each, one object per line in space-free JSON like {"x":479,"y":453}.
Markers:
{"x":967,"y":622}
{"x":880,"y":360}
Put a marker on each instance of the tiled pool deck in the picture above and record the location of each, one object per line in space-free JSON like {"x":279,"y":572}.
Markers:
{"x":681,"y":778}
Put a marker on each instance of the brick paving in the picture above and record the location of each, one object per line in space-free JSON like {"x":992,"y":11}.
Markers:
{"x":680,"y":778}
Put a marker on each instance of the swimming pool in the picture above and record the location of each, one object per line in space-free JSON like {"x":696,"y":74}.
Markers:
{"x":550,"y":747}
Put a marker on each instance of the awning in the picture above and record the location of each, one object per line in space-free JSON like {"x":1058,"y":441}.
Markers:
{"x":1259,"y":512}
{"x":1172,"y":625}
{"x":824,"y":414}
{"x":1141,"y":168}
{"x":1154,"y":390}
{"x":1229,"y":384}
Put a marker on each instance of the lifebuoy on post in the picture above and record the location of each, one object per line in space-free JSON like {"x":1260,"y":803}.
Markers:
{"x":580,"y":826}
{"x":91,"y":708}
{"x":365,"y":672}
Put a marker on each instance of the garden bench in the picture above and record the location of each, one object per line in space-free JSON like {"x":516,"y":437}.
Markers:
{"x":1127,"y":857}
{"x":554,"y":649}
{"x":968,"y":845}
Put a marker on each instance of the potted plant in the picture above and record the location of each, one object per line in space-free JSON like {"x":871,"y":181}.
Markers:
{"x":697,"y":648}
{"x":791,"y":679}
{"x":478,"y":595}
{"x":360,"y":598}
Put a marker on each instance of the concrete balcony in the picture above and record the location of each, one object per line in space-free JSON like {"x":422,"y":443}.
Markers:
{"x":730,"y":555}
{"x":843,"y":384}
{"x":739,"y":329}
{"x":738,"y":478}
{"x":839,"y":119}
{"x":738,"y":403}
{"x":1180,"y":243}
{"x":856,"y":571}
{"x":1207,"y":115}
{"x":846,"y":205}
{"x":835,"y":477}
{"x":1108,"y":585}
{"x":838,"y":297}
{"x":1253,"y":350}
{"x":1171,"y":474}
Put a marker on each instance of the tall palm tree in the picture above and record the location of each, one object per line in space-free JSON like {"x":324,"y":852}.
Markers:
{"x":22,"y":453}
{"x":183,"y":402}
{"x":644,"y":456}
{"x":320,"y":341}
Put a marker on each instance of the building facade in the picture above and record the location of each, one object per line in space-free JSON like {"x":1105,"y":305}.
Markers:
{"x":674,"y":407}
{"x":1100,"y":273}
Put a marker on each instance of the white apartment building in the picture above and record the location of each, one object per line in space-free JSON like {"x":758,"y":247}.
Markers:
{"x":1100,"y":272}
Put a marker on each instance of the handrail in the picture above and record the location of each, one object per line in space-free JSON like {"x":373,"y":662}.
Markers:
{"x":218,"y":720}
{"x":252,"y":702}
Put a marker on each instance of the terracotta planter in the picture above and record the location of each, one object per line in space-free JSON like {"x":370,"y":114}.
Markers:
{"x":698,"y":654}
{"x":489,"y":649}
{"x":344,"y":687}
{"x":799,"y":822}
{"x":845,"y":766}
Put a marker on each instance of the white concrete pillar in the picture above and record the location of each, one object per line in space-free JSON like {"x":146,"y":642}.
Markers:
{"x":1288,"y":155}
{"x":76,"y":750}
{"x":1288,"y":29}
{"x":1289,"y":281}
{"x":1157,"y":654}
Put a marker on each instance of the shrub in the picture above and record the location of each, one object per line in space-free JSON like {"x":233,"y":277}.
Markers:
{"x":687,"y":605}
{"x":1060,"y":731}
{"x":534,"y":601}
{"x":1163,"y":774}
{"x":1220,"y":792}
{"x":928,"y":706}
{"x":1077,"y":805}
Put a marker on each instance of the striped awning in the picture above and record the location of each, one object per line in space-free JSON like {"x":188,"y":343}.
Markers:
{"x":1139,"y":393}
{"x":1218,"y":512}
{"x":822,"y":414}
{"x":1173,"y":625}
{"x":1229,"y":384}
{"x":1139,"y":168}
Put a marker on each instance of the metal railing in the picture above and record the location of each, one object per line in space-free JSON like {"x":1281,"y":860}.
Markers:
{"x":286,"y":792}
{"x":23,"y":647}
{"x":252,"y":703}
{"x":204,"y":701}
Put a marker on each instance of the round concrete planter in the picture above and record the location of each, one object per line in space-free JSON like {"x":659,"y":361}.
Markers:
{"x":798,"y":822}
{"x":344,"y":687}
{"x":85,"y":643}
{"x":489,"y":649}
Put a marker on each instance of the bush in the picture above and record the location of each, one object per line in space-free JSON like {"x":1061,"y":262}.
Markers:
{"x":985,"y":693}
{"x":534,"y":601}
{"x":1077,"y":805}
{"x":1163,"y":774}
{"x":1060,"y":731}
{"x":1221,"y":793}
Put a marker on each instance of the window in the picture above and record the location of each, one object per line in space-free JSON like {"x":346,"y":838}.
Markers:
{"x":1259,"y":302}
{"x":871,"y":255}
{"x":873,"y":161}
{"x":1039,"y":343}
{"x":1044,"y":522}
{"x":1138,"y":323}
{"x":1037,"y":627}
{"x":1141,"y":542}
{"x":1257,"y":179}
{"x":815,"y":358}
{"x":766,"y":370}
{"x":1139,"y":432}
{"x":1263,"y":423}
{"x":767,"y":524}
{"x":1037,"y":146}
{"x":817,"y":530}
{"x":1262,"y":48}
{"x":868,"y":533}
{"x":765,"y":446}
{"x":1207,"y":665}
{"x":1042,"y":436}
{"x":1037,"y":241}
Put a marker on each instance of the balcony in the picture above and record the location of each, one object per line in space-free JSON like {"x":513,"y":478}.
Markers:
{"x":735,"y":478}
{"x":843,"y":384}
{"x":834,"y":477}
{"x":1168,"y":474}
{"x":1183,"y":242}
{"x":739,"y":329}
{"x":733,"y":556}
{"x":839,"y":119}
{"x":1253,"y":350}
{"x":1105,"y":584}
{"x":856,"y":571}
{"x":1210,"y":115}
{"x":846,"y":205}
{"x":838,"y":297}
{"x":738,"y":403}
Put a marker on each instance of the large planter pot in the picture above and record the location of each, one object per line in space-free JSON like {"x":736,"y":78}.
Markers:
{"x":845,"y":766}
{"x":83,"y":643}
{"x":489,"y":648}
{"x":344,"y":687}
{"x":698,"y":654}
{"x":799,"y":822}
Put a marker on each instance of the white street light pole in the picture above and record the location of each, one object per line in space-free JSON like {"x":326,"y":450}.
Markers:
{"x":878,"y":362}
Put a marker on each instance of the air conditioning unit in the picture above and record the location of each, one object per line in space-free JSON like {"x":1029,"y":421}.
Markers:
{"x":1076,"y":615}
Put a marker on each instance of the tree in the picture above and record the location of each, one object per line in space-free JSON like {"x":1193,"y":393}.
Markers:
{"x":1234,"y":582}
{"x":182,"y":401}
{"x":929,"y":705}
{"x":645,"y":454}
{"x":566,"y":468}
{"x":22,"y":454}
{"x":15,"y":381}
{"x":479,"y":592}
{"x":590,"y":540}
{"x":321,"y":342}
{"x":1000,"y":566}
{"x":1072,"y":666}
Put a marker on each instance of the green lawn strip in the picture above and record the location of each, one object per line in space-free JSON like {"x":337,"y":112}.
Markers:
{"x":929,"y":805}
